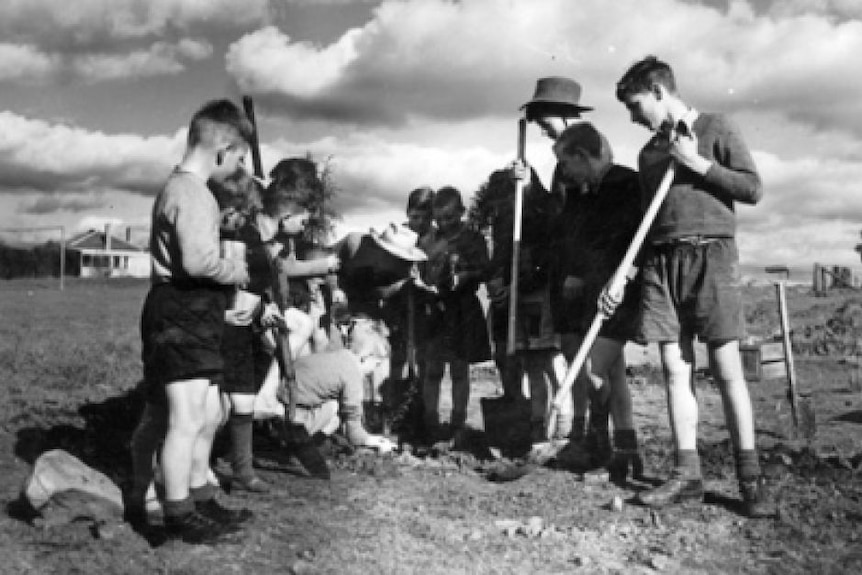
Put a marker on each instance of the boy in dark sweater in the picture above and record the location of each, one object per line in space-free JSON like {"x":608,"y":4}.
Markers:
{"x":690,"y":271}
{"x":602,"y":210}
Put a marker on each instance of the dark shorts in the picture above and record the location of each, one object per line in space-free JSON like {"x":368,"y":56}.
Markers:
{"x":577,"y":315}
{"x":245,"y":360}
{"x":181,"y":335}
{"x":692,"y":289}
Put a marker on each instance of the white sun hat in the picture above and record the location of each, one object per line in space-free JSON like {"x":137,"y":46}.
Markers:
{"x":400,"y":241}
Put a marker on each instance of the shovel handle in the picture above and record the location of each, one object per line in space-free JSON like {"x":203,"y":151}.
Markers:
{"x":511,"y":333}
{"x":792,"y":394}
{"x":248,"y":106}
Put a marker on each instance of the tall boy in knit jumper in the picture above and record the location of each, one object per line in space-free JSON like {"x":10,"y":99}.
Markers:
{"x":690,"y":274}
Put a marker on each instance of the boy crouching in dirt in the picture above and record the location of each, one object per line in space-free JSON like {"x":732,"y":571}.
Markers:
{"x":330,"y":385}
{"x":690,"y":272}
{"x":182,"y":323}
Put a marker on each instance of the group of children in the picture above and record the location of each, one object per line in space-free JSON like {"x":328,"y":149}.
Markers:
{"x":216,"y":328}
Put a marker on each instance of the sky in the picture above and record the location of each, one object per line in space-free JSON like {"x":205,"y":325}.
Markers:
{"x":95,"y":97}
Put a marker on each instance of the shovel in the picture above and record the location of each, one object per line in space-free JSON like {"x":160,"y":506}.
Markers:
{"x":618,"y":281}
{"x":801,"y":411}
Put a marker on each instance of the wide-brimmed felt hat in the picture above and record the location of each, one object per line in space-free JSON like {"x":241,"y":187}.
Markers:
{"x":399,"y":241}
{"x":558,"y":90}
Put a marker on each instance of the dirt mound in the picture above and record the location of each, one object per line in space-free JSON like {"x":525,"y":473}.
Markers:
{"x":839,"y":335}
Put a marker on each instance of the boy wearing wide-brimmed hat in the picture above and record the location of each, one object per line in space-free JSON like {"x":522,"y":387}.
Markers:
{"x":554,"y":107}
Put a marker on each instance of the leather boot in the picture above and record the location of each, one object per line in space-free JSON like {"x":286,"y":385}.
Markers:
{"x":299,"y":443}
{"x":756,"y":501}
{"x":626,"y":457}
{"x":673,"y":491}
{"x":197,"y":528}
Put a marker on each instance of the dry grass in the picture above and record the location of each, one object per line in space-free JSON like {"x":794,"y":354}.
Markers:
{"x":70,"y":347}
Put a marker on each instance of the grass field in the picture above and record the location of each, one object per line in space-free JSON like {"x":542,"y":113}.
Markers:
{"x":81,"y":342}
{"x":69,"y":359}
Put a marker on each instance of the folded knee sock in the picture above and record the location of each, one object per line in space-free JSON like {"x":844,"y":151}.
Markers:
{"x":178,"y":508}
{"x":625,"y":440}
{"x":688,"y":464}
{"x":241,"y":444}
{"x":747,"y":464}
{"x":202,"y":493}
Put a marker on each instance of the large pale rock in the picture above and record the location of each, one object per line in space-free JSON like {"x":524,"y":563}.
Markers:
{"x":62,"y":488}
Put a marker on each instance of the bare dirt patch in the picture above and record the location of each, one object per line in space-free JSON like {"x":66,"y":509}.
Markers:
{"x":69,"y":363}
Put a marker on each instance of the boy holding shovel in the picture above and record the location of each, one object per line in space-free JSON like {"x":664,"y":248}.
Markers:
{"x":555,"y":106}
{"x":690,"y":276}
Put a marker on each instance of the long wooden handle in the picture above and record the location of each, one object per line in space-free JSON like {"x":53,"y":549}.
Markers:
{"x":280,"y":287}
{"x":618,"y":282}
{"x":792,"y":394}
{"x":512,"y":331}
{"x":248,"y":106}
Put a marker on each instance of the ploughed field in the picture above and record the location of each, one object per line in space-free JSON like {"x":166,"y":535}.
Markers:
{"x":70,"y":360}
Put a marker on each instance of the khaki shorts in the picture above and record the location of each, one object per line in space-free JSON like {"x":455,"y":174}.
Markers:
{"x":692,"y":289}
{"x":322,"y":418}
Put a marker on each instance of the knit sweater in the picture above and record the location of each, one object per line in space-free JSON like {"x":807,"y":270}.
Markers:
{"x":184,"y":236}
{"x":695,"y":204}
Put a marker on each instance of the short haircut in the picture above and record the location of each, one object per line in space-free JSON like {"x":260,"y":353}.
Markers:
{"x":447,"y":196}
{"x":420,"y":199}
{"x":582,"y":135}
{"x":294,"y":184}
{"x":219,"y":122}
{"x":536,"y":110}
{"x":643,"y":75}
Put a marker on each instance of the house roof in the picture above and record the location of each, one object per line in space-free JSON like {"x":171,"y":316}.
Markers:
{"x":95,"y":240}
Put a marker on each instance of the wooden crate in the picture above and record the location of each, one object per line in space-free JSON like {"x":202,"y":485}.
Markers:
{"x":763,"y":361}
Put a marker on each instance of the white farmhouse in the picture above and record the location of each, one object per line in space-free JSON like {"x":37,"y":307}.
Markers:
{"x":99,"y":254}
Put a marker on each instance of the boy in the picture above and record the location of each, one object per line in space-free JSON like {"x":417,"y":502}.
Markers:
{"x":690,"y":273}
{"x":554,"y":107}
{"x":457,"y":331}
{"x":331,"y":385}
{"x":598,"y":220}
{"x":182,"y":321}
{"x":537,"y":345}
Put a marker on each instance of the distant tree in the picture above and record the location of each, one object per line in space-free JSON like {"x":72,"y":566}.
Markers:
{"x":39,"y":261}
{"x":492,"y":213}
{"x":494,"y":199}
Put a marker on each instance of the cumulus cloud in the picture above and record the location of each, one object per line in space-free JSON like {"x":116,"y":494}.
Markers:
{"x":83,"y":23}
{"x":162,"y":58}
{"x":427,"y":92}
{"x":40,"y":156}
{"x":52,"y":203}
{"x":26,"y":62}
{"x":113,"y":39}
{"x":376,"y":174}
{"x":839,"y":9}
{"x":449,"y":60}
